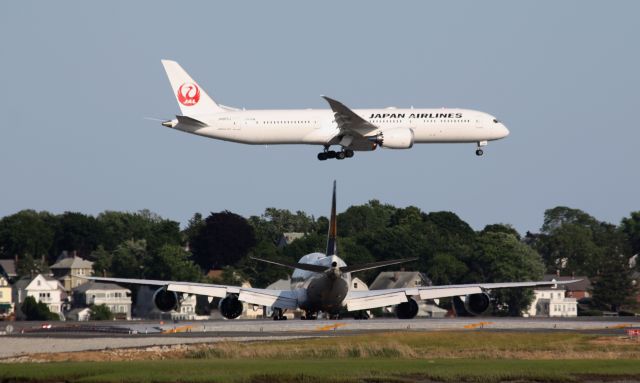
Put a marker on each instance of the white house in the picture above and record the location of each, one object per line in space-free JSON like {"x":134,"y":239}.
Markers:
{"x":116,"y":298}
{"x":44,"y":289}
{"x":551,"y":302}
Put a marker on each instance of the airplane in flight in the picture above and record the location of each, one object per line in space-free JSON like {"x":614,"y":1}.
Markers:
{"x":351,"y":130}
{"x":322,"y":283}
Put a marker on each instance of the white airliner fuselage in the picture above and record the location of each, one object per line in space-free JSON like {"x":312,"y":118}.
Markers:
{"x":318,"y":127}
{"x":352,"y":130}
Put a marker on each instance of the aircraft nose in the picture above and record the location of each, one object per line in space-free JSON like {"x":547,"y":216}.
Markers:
{"x":503,"y":131}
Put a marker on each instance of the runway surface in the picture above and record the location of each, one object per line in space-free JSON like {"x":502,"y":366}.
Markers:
{"x":24,"y":338}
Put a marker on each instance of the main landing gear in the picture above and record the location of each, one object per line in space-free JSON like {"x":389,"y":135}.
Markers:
{"x":278,"y":314}
{"x":309,"y":315}
{"x":341,"y":155}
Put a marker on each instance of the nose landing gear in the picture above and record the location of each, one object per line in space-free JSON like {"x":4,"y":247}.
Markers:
{"x":479,"y":150}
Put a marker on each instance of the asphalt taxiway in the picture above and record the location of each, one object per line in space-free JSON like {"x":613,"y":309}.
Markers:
{"x":24,"y":338}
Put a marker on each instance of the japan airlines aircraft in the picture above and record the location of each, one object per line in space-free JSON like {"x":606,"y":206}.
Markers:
{"x":352,"y":130}
{"x":322,"y":283}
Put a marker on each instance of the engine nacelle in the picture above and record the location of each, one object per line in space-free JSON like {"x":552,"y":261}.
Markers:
{"x":166,"y":300}
{"x":473,"y":305}
{"x":407,"y":310}
{"x":396,"y":138}
{"x":230,"y":307}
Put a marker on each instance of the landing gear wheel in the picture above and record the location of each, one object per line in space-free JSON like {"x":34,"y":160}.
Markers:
{"x":341,"y":155}
{"x":331,"y":154}
{"x":348,"y":153}
{"x":479,"y":152}
{"x":322,"y":156}
{"x":278,"y":314}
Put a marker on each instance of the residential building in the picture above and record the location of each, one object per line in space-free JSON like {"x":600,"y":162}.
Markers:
{"x":6,"y":298}
{"x":70,"y":271}
{"x":8,"y":269}
{"x":578,"y":290}
{"x":44,"y":289}
{"x":552,"y":302}
{"x":116,"y":298}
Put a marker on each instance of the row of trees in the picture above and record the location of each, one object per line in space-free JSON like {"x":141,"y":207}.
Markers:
{"x":144,"y":245}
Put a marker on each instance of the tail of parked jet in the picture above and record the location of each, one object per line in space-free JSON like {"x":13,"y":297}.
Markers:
{"x":192,"y":99}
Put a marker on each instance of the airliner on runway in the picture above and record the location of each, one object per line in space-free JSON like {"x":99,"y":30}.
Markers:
{"x":351,"y":130}
{"x":322,"y":283}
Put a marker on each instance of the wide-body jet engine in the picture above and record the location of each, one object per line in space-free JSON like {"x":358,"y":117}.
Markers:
{"x":396,"y":138}
{"x":166,"y":301}
{"x":230,"y":307}
{"x":472,"y":305}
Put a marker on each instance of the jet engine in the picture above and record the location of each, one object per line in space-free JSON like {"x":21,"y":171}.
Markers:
{"x":230,"y":307}
{"x":396,"y":138}
{"x":407,"y":310}
{"x":166,"y":300}
{"x":473,"y":304}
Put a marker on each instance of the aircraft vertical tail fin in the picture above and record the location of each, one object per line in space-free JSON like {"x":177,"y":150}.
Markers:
{"x":192,"y":99}
{"x":333,"y":228}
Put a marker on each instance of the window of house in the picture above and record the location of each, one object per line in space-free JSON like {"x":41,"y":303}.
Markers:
{"x":355,"y":286}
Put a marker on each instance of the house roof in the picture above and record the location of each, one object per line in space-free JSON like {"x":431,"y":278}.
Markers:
{"x":92,"y":285}
{"x":583,"y":285}
{"x":396,"y":279}
{"x":9,"y":267}
{"x":24,"y":282}
{"x":73,"y":263}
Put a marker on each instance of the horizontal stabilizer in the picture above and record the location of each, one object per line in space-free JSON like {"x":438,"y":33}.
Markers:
{"x":301,"y":266}
{"x":374,"y":265}
{"x":185,"y":120}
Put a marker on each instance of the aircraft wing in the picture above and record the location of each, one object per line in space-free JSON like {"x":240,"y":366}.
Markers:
{"x":364,"y":300}
{"x":348,"y":121}
{"x":283,"y":299}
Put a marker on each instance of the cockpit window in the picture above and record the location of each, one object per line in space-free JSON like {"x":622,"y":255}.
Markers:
{"x":495,"y":121}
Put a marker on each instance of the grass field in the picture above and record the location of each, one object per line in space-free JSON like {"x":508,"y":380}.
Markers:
{"x":394,"y":357}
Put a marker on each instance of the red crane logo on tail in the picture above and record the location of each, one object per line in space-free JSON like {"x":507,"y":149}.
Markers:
{"x":188,"y":94}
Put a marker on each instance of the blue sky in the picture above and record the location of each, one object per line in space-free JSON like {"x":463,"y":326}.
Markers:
{"x":78,"y":78}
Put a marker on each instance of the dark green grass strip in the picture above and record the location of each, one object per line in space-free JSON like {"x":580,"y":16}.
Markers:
{"x":325,"y":370}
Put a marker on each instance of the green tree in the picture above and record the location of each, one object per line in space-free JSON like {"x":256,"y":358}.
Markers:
{"x":262,"y":274}
{"x":561,"y":215}
{"x":102,"y":260}
{"x":100,"y":312}
{"x":171,"y":263}
{"x":118,"y":227}
{"x":194,"y":226}
{"x":30,"y":267}
{"x":631,"y":227}
{"x":500,"y":257}
{"x":501,"y":228}
{"x":27,"y":232}
{"x":34,"y":310}
{"x":224,"y":240}
{"x":612,"y":287}
{"x":129,"y":259}
{"x":76,"y":232}
{"x":364,"y":218}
